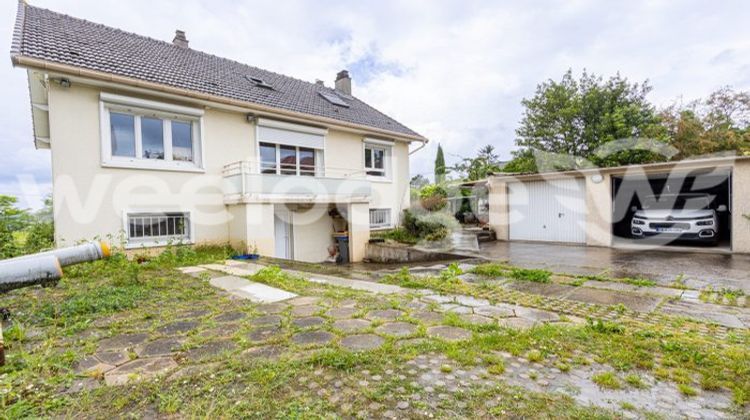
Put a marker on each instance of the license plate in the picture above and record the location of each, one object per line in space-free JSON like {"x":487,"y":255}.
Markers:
{"x":668,"y":230}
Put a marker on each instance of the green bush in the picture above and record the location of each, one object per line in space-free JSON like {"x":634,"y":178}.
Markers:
{"x":40,"y":237}
{"x":428,"y":226}
{"x":433,"y":197}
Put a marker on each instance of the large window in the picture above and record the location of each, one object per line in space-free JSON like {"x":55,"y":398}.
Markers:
{"x":287,"y":160}
{"x":150,"y":135}
{"x":376,"y":160}
{"x":157,"y":228}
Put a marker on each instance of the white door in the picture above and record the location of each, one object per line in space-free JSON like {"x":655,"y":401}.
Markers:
{"x":283,"y":234}
{"x":553,"y":211}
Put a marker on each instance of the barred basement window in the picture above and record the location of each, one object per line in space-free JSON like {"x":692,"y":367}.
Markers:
{"x":380,"y":218}
{"x":158,"y":227}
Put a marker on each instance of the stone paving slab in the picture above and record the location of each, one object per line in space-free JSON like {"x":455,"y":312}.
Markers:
{"x":367,"y":286}
{"x":255,"y":292}
{"x":449,"y":333}
{"x":159,"y":347}
{"x":362,"y":342}
{"x":233,"y":268}
{"x":646,"y":290}
{"x":709,"y":312}
{"x":139,"y":369}
{"x":542,"y":289}
{"x":122,"y":342}
{"x":638,"y":303}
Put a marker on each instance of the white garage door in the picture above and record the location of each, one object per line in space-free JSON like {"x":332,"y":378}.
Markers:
{"x":553,"y":211}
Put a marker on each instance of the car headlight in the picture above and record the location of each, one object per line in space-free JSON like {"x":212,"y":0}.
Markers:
{"x":705,"y":223}
{"x":639,"y":222}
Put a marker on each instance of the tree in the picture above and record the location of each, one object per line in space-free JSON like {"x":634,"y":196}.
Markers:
{"x":12,"y":219}
{"x":418,"y":181}
{"x":720,"y":123}
{"x":440,"y":169}
{"x":577,"y":117}
{"x":481,"y":166}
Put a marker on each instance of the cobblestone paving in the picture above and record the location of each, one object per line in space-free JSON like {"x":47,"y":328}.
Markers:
{"x":194,"y":342}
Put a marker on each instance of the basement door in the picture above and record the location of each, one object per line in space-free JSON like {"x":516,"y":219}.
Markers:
{"x":550,"y":211}
{"x":283,"y":234}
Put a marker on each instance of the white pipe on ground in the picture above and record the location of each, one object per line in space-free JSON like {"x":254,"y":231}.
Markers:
{"x":18,"y":273}
{"x":90,"y":251}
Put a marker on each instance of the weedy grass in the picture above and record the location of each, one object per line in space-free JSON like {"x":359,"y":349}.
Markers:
{"x":55,"y":327}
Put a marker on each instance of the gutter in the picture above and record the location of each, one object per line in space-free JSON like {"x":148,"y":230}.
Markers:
{"x":23,"y":61}
{"x":421,"y":146}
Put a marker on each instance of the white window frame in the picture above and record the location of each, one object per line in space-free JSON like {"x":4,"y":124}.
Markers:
{"x":149,"y":243}
{"x":144,"y":108}
{"x":317,"y":170}
{"x":389,"y":222}
{"x":387,"y":148}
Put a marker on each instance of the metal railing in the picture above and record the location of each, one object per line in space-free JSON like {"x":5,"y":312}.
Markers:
{"x":244,"y":182}
{"x":153,"y":226}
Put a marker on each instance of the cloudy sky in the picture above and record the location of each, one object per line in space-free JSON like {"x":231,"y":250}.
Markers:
{"x":454,"y":71}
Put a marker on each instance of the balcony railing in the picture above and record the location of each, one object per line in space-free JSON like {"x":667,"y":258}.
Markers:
{"x":244,"y":184}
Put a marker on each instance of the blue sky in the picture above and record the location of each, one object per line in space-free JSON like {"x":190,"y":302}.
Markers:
{"x":455,"y":71}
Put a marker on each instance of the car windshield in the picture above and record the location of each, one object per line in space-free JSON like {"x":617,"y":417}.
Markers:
{"x":677,"y":202}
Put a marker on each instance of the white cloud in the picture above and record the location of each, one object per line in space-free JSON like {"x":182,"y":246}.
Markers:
{"x":455,"y":71}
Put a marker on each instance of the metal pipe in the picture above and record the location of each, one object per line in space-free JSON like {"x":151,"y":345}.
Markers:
{"x":90,"y":251}
{"x":18,"y":273}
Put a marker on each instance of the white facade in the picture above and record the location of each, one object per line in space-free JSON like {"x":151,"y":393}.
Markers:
{"x":196,"y":171}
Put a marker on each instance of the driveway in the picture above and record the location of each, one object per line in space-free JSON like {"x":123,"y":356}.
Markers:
{"x":697,"y":270}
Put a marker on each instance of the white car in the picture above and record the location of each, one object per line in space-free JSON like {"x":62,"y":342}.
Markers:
{"x":677,"y":216}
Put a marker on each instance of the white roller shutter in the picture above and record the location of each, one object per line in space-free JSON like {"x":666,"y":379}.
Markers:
{"x":552,"y":211}
{"x":277,"y":132}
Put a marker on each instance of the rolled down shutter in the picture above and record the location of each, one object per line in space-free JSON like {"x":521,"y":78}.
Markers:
{"x":277,"y":132}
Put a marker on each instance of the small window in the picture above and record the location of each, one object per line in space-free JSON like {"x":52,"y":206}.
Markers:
{"x":288,"y":160}
{"x":375,"y":160}
{"x":267,"y":158}
{"x":146,"y":228}
{"x":380,"y":218}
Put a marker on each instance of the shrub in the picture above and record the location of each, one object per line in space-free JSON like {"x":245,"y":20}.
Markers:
{"x":40,"y":237}
{"x":428,"y":226}
{"x":433,"y":197}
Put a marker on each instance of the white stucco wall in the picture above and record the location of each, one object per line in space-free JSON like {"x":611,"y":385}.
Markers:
{"x":91,"y":200}
{"x":312,"y":233}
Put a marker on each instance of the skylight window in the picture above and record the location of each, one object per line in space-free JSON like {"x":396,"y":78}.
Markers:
{"x":258,"y":82}
{"x":334,"y":99}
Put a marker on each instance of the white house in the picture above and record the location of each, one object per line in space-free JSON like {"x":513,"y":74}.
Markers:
{"x":156,"y":142}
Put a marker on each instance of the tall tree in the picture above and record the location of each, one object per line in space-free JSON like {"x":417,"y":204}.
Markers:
{"x":577,"y":117}
{"x":440,"y":169}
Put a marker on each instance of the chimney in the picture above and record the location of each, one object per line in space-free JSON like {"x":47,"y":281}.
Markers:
{"x":319,"y":82}
{"x":344,"y":82}
{"x":179,"y":39}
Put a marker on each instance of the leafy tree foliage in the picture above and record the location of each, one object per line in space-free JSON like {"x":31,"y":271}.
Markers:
{"x":481,"y":166}
{"x":418,"y":181}
{"x":440,"y":169}
{"x":720,"y":123}
{"x":22,"y":232}
{"x":576,"y":117}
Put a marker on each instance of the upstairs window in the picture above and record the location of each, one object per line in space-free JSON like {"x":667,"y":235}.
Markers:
{"x":149,"y":135}
{"x":288,"y":160}
{"x":376,"y":160}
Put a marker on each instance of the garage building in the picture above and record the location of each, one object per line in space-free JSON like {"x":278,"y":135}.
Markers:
{"x":596,"y":207}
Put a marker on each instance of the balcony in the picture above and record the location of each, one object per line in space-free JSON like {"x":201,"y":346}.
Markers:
{"x":244,"y":184}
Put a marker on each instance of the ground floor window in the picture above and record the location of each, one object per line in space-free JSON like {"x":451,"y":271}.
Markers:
{"x":380,"y":218}
{"x":158,"y":227}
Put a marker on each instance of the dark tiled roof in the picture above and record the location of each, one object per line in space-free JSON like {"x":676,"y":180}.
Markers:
{"x":50,"y":36}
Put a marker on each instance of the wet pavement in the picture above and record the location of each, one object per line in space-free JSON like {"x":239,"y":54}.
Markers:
{"x":695,"y":270}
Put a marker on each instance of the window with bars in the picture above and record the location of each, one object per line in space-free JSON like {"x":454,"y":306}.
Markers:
{"x":380,"y":218}
{"x":158,"y":227}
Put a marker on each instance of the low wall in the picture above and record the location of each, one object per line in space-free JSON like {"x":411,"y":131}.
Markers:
{"x":400,"y":253}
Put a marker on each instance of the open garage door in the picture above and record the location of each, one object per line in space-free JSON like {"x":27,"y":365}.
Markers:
{"x":673,"y":209}
{"x":552,"y":211}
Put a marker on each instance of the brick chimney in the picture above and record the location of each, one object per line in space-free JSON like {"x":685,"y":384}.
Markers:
{"x":344,"y":82}
{"x":179,"y":39}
